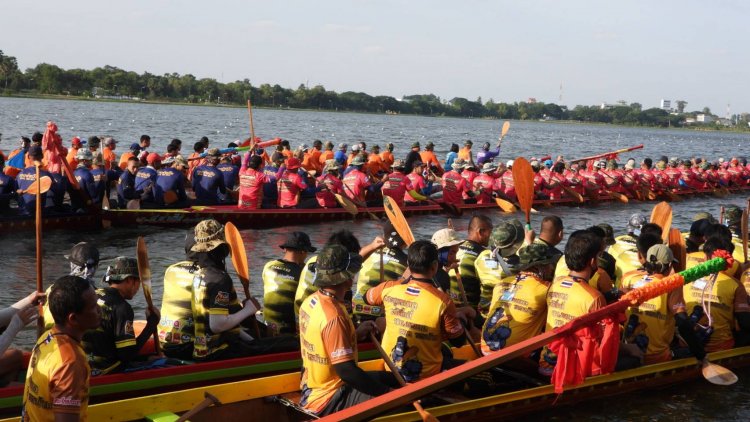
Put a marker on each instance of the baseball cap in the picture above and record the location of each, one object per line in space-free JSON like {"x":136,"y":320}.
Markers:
{"x":153,"y":158}
{"x":298,"y":241}
{"x":445,"y":238}
{"x":84,"y":254}
{"x":661,"y":254}
{"x":121,"y":268}
{"x":292,"y":163}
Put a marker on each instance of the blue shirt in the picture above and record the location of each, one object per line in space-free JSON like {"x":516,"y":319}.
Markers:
{"x":24,"y":179}
{"x":230,"y":173}
{"x":7,"y":190}
{"x":167,"y":179}
{"x":126,"y":188}
{"x":208,"y":182}
{"x":270,"y":190}
{"x":145,"y":177}
{"x":449,"y":159}
{"x":87,"y":185}
{"x":101,"y":176}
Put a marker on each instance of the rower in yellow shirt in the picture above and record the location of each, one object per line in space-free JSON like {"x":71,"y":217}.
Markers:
{"x":495,"y":266}
{"x":519,"y":312}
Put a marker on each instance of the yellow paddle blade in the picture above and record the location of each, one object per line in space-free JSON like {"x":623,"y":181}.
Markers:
{"x":44,"y":181}
{"x":717,"y":374}
{"x":523,"y":179}
{"x":506,"y":128}
{"x":346,"y":203}
{"x":239,"y":254}
{"x":398,"y":220}
{"x":505,"y":205}
{"x":416,"y":195}
{"x":662,"y":215}
{"x":144,"y":269}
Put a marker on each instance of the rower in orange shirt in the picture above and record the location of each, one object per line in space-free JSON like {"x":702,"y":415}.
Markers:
{"x":108,"y":153}
{"x":75,"y":144}
{"x":326,"y":155}
{"x":133,"y":151}
{"x":315,"y":154}
{"x":429,"y":159}
{"x":375,"y":163}
{"x":387,"y":156}
{"x":465,"y":152}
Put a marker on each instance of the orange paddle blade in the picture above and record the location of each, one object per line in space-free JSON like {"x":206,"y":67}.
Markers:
{"x":239,"y":255}
{"x":662,"y":215}
{"x":506,"y":128}
{"x":677,"y":245}
{"x":45,"y":182}
{"x":505,"y":205}
{"x":170,"y":197}
{"x":620,"y":197}
{"x":398,"y":220}
{"x":573,"y":194}
{"x":523,"y":179}
{"x":346,"y":203}
{"x":144,"y":269}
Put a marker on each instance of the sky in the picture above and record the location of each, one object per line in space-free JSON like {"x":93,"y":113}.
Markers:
{"x":599,"y":51}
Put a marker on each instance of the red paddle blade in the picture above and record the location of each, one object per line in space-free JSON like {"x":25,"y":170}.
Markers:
{"x":523,"y":179}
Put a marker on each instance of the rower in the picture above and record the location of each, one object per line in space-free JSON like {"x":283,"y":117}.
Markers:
{"x":519,"y":312}
{"x":419,"y":317}
{"x":331,"y":380}
{"x":551,"y":233}
{"x":697,"y":235}
{"x":113,"y":346}
{"x":356,"y":152}
{"x":93,"y":145}
{"x":217,"y":313}
{"x":718,"y":302}
{"x":7,"y":189}
{"x":326,"y":155}
{"x":208,"y":182}
{"x":652,"y":324}
{"x":272,"y":172}
{"x":133,"y":151}
{"x":479,"y":232}
{"x":75,"y":146}
{"x":57,"y":381}
{"x":485,"y":155}
{"x":454,"y":185}
{"x":108,"y":153}
{"x":387,"y":155}
{"x":418,"y":183}
{"x":280,"y":281}
{"x":27,"y":177}
{"x":484,"y":184}
{"x":230,"y":172}
{"x":496,"y":264}
{"x":465,"y":153}
{"x":176,"y":328}
{"x":171,"y":178}
{"x":356,"y":182}
{"x":85,"y":180}
{"x":252,"y":180}
{"x":17,"y":156}
{"x":145,"y":180}
{"x":393,"y":261}
{"x":412,"y":157}
{"x":195,"y":159}
{"x":625,"y":251}
{"x":430,"y":160}
{"x":291,"y":184}
{"x":451,"y":156}
{"x":330,"y":185}
{"x":509,"y":185}
{"x":375,"y":164}
{"x":340,"y":155}
{"x":469,"y":173}
{"x":447,"y":241}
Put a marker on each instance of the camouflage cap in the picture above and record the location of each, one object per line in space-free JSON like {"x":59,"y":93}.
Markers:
{"x":703,"y":215}
{"x":121,"y":268}
{"x":488,"y":168}
{"x":180,"y":161}
{"x":399,"y":164}
{"x":534,"y":255}
{"x":331,"y":165}
{"x":733,"y":215}
{"x":209,"y":234}
{"x":84,"y":154}
{"x":335,"y":265}
{"x":507,"y":237}
{"x":359,"y":160}
{"x":458,"y":164}
{"x":213,"y":152}
{"x":635,"y":223}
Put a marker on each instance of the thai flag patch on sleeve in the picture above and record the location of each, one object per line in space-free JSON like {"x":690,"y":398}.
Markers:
{"x":566,"y":283}
{"x":413,"y":291}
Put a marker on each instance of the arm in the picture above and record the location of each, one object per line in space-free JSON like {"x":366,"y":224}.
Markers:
{"x":376,"y":244}
{"x":19,"y":320}
{"x":358,"y":379}
{"x":741,"y":308}
{"x":223,"y":322}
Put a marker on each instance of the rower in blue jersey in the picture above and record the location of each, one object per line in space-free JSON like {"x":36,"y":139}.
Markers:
{"x":82,"y":173}
{"x":102,"y":176}
{"x":145,"y":179}
{"x":126,"y":183}
{"x":272,"y":172}
{"x":171,"y":178}
{"x":231,"y":173}
{"x":7,"y":188}
{"x":208,"y":182}
{"x":27,"y":176}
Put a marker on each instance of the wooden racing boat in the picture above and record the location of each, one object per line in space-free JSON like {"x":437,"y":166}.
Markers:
{"x":269,"y":398}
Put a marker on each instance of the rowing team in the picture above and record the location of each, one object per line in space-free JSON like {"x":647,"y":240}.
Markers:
{"x":498,"y":287}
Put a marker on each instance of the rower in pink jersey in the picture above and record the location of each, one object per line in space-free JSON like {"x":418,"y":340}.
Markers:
{"x":290,"y":184}
{"x":509,"y":187}
{"x":484,"y":184}
{"x":469,"y":173}
{"x":417,"y":182}
{"x":251,"y":182}
{"x":330,"y":184}
{"x":396,"y":184}
{"x":454,"y":185}
{"x":356,"y":181}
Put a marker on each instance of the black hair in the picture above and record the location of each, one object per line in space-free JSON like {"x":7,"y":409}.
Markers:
{"x":66,"y":297}
{"x":37,"y":137}
{"x":598,"y":231}
{"x":554,"y":222}
{"x":172,"y":148}
{"x":285,"y":144}
{"x":700,"y":227}
{"x":582,"y":247}
{"x":421,"y":255}
{"x":648,"y":162}
{"x":645,"y":241}
{"x":715,"y":243}
{"x":719,"y":230}
{"x":255,"y":162}
{"x":651,"y":228}
{"x":177,"y":142}
{"x":145,"y":138}
{"x":198,"y":146}
{"x":317,"y":143}
{"x":204,"y":139}
{"x":25,"y":139}
{"x":559,"y":167}
{"x":346,"y":239}
{"x":454,"y":147}
{"x":477,"y":219}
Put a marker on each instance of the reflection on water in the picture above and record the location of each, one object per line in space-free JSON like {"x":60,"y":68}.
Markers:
{"x":126,"y":122}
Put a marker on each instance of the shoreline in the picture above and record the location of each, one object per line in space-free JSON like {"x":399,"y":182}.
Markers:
{"x":181,"y":103}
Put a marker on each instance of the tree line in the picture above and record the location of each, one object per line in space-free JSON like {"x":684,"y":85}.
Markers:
{"x":110,"y":81}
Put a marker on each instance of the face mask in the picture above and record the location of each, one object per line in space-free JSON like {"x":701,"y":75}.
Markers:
{"x":443,"y":256}
{"x":355,"y":279}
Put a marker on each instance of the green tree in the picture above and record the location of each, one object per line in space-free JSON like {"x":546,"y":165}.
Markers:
{"x":681,"y":106}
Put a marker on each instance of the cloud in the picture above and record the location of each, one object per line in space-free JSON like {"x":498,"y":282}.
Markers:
{"x":605,"y":35}
{"x":264,"y":25}
{"x":373,"y":50}
{"x":346,"y":29}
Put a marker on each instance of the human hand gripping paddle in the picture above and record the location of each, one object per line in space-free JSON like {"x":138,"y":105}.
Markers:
{"x":662,"y":215}
{"x":348,"y":203}
{"x":426,"y":417}
{"x":144,"y":271}
{"x":523,"y":180}
{"x":712,"y":372}
{"x":239,"y":261}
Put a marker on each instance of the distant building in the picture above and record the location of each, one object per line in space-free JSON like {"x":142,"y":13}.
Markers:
{"x":666,"y":105}
{"x":531,"y":100}
{"x":607,"y":106}
{"x":689,"y":120}
{"x":704,"y":118}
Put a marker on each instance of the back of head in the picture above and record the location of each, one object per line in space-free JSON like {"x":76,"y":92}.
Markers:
{"x":66,"y":297}
{"x":715,"y":243}
{"x":551,"y":224}
{"x":479,"y":221}
{"x":345,"y":238}
{"x":422,"y":254}
{"x":582,"y":247}
{"x":646,"y":241}
{"x":255,"y":162}
{"x":719,"y":230}
{"x":652,"y":228}
{"x":454,"y":147}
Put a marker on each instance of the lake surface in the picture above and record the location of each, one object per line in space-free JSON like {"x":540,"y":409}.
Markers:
{"x":127,"y":121}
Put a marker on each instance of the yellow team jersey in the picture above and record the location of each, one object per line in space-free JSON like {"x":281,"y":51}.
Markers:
{"x":656,"y":314}
{"x":599,"y":280}
{"x":491,"y":273}
{"x":419,"y":317}
{"x":394,"y":266}
{"x":57,"y":380}
{"x":327,"y":337}
{"x":467,"y":254}
{"x":520,"y":304}
{"x":568,"y":298}
{"x":718,"y":298}
{"x":280,"y":280}
{"x":176,"y":324}
{"x":623,"y":243}
{"x":305,"y":287}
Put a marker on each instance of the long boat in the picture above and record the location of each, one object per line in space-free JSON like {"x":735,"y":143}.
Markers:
{"x":271,"y":398}
{"x":263,"y":218}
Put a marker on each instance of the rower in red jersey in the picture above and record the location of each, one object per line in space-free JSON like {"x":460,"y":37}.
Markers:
{"x":418,"y":183}
{"x":469,"y":173}
{"x":736,"y":173}
{"x":673,"y":174}
{"x":251,"y":182}
{"x":509,"y":187}
{"x":687,"y":176}
{"x":573,"y":179}
{"x":356,"y":181}
{"x":594,"y":178}
{"x":330,"y":185}
{"x":613,"y":177}
{"x":290,"y":185}
{"x":484,"y":184}
{"x":551,"y":172}
{"x":454,"y":185}
{"x":396,"y":184}
{"x":631,"y":182}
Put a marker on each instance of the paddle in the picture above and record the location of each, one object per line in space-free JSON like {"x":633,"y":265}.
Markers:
{"x":208,"y":401}
{"x":677,"y":245}
{"x":448,"y":208}
{"x":717,"y":374}
{"x":41,"y":186}
{"x":241,"y":266}
{"x":504,"y":131}
{"x":573,"y":194}
{"x":506,"y":206}
{"x":39,"y":281}
{"x":618,"y":196}
{"x":743,"y":225}
{"x":356,"y":204}
{"x":346,"y":203}
{"x":605,"y":154}
{"x":250,"y":116}
{"x":396,"y":217}
{"x":523,"y":180}
{"x":387,"y":360}
{"x":662,"y":215}
{"x":394,"y":399}
{"x":144,"y":271}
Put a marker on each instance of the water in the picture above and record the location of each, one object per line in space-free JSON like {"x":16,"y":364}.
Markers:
{"x":126,"y":122}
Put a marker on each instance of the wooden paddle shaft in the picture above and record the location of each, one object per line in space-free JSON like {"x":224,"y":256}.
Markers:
{"x":252,"y":127}
{"x":208,"y":401}
{"x":39,"y":281}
